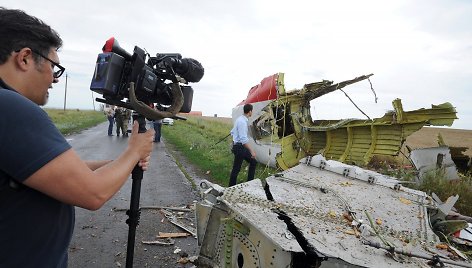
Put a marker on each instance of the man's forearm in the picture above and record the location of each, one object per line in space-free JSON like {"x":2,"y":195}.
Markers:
{"x":93,"y":165}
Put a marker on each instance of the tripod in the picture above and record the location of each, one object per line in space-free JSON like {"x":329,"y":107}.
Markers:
{"x":134,"y":210}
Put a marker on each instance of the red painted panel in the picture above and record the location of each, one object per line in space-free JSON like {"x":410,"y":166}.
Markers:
{"x":266,"y":90}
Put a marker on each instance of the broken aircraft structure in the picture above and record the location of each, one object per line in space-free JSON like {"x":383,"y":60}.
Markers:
{"x":320,"y":211}
{"x":282,"y":130}
{"x":324,"y":213}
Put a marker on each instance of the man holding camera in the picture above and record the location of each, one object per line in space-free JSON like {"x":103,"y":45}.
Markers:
{"x":41,"y":177}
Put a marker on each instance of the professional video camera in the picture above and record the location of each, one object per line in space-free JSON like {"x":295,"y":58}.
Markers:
{"x":161,"y":80}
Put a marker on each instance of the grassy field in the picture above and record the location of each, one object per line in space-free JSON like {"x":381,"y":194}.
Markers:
{"x":196,"y":139}
{"x":70,"y":121}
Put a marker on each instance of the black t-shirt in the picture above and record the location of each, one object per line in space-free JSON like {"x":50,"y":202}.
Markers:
{"x":35,"y":229}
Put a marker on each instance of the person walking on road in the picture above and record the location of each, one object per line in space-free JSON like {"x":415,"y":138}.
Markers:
{"x":157,"y":129}
{"x":241,"y":148}
{"x":119,"y":121}
{"x":126,"y":117}
{"x":42,"y":178}
{"x":109,"y":111}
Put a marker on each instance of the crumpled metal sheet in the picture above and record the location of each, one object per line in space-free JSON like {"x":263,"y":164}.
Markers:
{"x":315,"y":199}
{"x":425,"y":160}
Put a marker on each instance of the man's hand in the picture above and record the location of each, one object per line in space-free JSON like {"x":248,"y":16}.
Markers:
{"x":144,"y":163}
{"x":141,"y":144}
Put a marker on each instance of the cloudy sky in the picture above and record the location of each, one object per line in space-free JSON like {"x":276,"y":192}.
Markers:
{"x":419,"y":51}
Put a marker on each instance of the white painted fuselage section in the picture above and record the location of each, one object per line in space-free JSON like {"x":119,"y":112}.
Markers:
{"x":266,"y":151}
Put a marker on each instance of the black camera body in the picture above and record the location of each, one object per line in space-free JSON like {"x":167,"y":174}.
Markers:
{"x":162,"y":80}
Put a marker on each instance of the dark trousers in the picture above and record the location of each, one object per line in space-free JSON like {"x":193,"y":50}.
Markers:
{"x":241,"y":153}
{"x":110,"y":125}
{"x":157,"y":130}
{"x":119,"y":126}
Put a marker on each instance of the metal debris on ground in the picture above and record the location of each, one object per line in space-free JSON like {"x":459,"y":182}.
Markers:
{"x":158,"y":207}
{"x":164,"y":242}
{"x":172,"y":218}
{"x":172,"y":235}
{"x":185,"y":260}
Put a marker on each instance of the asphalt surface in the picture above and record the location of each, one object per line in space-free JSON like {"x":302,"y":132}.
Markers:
{"x":100,"y":237}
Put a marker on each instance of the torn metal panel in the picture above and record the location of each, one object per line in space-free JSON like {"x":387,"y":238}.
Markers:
{"x":462,"y":161}
{"x":429,"y":159}
{"x":315,"y":214}
{"x":283,"y":131}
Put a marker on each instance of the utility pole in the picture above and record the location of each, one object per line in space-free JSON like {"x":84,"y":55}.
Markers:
{"x":65,"y":94}
{"x":93,"y":101}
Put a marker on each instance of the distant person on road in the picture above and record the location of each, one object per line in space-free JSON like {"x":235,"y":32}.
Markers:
{"x":126,"y":118}
{"x":119,"y":118}
{"x":157,"y":125}
{"x":157,"y":129}
{"x":241,"y":148}
{"x":109,"y":111}
{"x":41,"y":177}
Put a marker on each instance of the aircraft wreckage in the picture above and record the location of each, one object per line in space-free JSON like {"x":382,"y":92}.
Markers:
{"x":282,"y":130}
{"x":324,"y":213}
{"x":319,"y":211}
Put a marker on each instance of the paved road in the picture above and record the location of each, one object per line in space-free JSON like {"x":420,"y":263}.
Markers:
{"x":100,"y":237}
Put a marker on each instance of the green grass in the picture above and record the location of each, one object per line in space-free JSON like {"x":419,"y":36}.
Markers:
{"x":70,"y":121}
{"x":196,"y":139}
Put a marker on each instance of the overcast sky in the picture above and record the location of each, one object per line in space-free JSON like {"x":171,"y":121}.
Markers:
{"x":419,"y":51}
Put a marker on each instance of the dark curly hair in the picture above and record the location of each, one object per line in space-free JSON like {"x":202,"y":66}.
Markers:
{"x":19,"y":30}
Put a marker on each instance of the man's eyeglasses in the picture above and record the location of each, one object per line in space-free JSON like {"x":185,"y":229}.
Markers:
{"x":57,"y":73}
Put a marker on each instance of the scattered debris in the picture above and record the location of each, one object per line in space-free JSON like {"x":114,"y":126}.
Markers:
{"x":185,"y":260}
{"x":350,"y":232}
{"x":177,"y":250}
{"x":405,"y":201}
{"x":457,"y":216}
{"x":165,"y":242}
{"x":442,"y":246}
{"x":172,"y":235}
{"x":158,"y":207}
{"x":346,"y":183}
{"x":465,"y":234}
{"x":173,"y":219}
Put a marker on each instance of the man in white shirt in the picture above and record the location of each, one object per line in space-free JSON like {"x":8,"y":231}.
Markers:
{"x":241,"y":148}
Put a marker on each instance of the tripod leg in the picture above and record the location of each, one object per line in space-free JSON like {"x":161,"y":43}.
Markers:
{"x":134,"y":211}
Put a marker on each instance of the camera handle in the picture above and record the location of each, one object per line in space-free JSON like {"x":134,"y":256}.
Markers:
{"x":134,"y":211}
